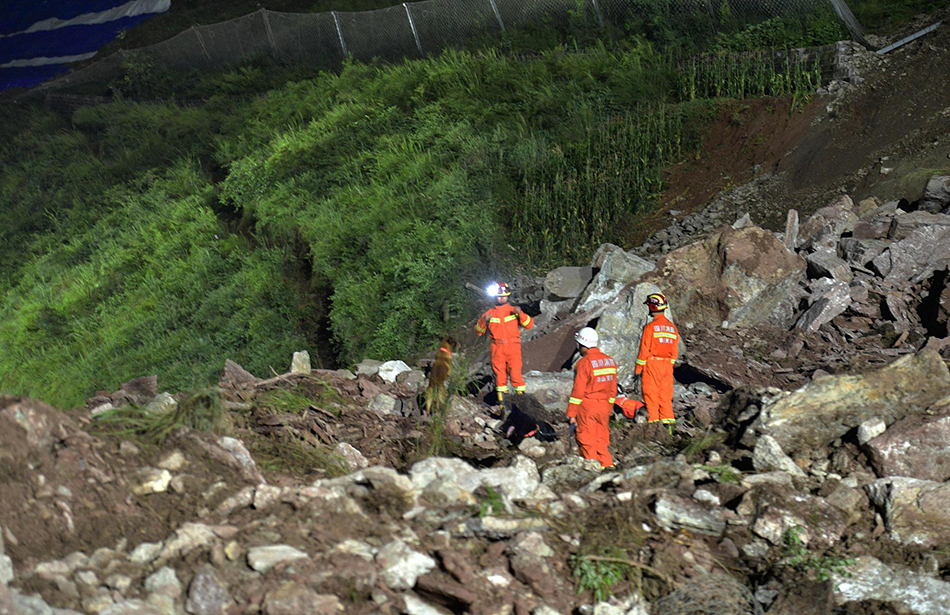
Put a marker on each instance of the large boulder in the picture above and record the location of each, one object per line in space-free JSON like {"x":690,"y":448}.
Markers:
{"x":825,"y":227}
{"x":913,"y":448}
{"x":621,"y":326}
{"x":733,"y":278}
{"x":551,"y":389}
{"x":618,"y":269}
{"x":917,"y":512}
{"x":808,"y":419}
{"x":915,"y":257}
{"x":936,"y":196}
{"x":827,"y":304}
{"x":777,"y":512}
{"x":566,"y":282}
{"x":901,"y":226}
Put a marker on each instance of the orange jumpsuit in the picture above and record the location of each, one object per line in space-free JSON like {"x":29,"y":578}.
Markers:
{"x":592,"y":403}
{"x":503,"y":327}
{"x":659,"y":348}
{"x":629,"y":406}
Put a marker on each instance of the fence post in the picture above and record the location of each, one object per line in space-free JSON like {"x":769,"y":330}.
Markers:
{"x":600,"y":16}
{"x":270,"y":33}
{"x":339,"y":33}
{"x":412,"y":24}
{"x":494,"y":7}
{"x":201,"y":42}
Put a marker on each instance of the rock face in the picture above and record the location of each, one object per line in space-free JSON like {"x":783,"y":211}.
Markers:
{"x":402,"y":566}
{"x":736,"y":277}
{"x":914,"y":449}
{"x":826,"y":409}
{"x":917,"y":512}
{"x":566,"y":282}
{"x":618,"y":269}
{"x":902,"y":590}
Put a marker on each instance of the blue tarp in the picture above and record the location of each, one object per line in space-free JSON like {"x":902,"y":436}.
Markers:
{"x":28,"y":76}
{"x":18,"y":15}
{"x":68,"y":41}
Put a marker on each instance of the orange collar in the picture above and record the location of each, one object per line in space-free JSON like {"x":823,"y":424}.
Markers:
{"x":445,"y":350}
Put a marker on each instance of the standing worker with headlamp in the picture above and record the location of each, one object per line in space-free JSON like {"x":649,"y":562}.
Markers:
{"x":503,"y":324}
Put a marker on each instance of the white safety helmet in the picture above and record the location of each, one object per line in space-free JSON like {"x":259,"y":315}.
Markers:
{"x":587,"y":337}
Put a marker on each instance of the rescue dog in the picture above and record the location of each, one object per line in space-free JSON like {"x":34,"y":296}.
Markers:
{"x":521,"y":422}
{"x":439,"y":375}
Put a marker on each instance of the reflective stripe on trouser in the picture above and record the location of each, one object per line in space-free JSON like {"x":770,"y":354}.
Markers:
{"x":505,"y":359}
{"x":657,"y":382}
{"x":593,"y":433}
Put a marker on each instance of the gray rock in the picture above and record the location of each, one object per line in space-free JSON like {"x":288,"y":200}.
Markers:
{"x":917,"y":256}
{"x":164,"y":582}
{"x":619,"y":269}
{"x":131,"y":607}
{"x":354,"y":459}
{"x":936,"y":195}
{"x":242,"y":499}
{"x":531,"y":543}
{"x":566,"y":282}
{"x":552,"y":389}
{"x":151,"y":480}
{"x":906,"y":592}
{"x":674,"y":512}
{"x":300,"y":364}
{"x":416,"y":606}
{"x":389,"y":370}
{"x":187,"y":538}
{"x":778,"y":511}
{"x":368,"y":367}
{"x":601,"y":254}
{"x":101,"y":409}
{"x":827,"y":305}
{"x":768,"y":455}
{"x":825,"y":227}
{"x":745,"y":221}
{"x":826,"y":409}
{"x":262,"y":559}
{"x":868,"y":430}
{"x":903,"y":225}
{"x":414,"y":379}
{"x":206,"y":594}
{"x":6,"y":570}
{"x":570,"y":473}
{"x":173,"y":462}
{"x":850,"y":501}
{"x":917,"y":512}
{"x":825,"y":263}
{"x":862,"y":251}
{"x":913,"y":448}
{"x":162,"y":404}
{"x":292,"y":598}
{"x":384,"y":404}
{"x":499,"y":528}
{"x":243,"y":458}
{"x":402,"y":566}
{"x":791,"y":230}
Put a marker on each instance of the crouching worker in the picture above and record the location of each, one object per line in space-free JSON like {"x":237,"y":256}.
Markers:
{"x":592,"y":399}
{"x":632,"y":409}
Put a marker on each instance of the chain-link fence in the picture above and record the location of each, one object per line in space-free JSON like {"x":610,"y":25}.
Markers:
{"x":418,"y":29}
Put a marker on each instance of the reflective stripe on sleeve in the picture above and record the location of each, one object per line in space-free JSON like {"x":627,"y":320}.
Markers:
{"x":527,"y":321}
{"x":575,"y":400}
{"x":612,"y":400}
{"x":641,"y":362}
{"x":480,"y":328}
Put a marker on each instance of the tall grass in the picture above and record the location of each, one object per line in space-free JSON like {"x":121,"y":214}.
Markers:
{"x":341,"y":212}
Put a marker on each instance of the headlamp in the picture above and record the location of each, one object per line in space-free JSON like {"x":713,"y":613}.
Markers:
{"x":492,"y":291}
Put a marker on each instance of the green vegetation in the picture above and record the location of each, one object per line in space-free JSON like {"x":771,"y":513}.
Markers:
{"x":800,"y":557}
{"x":202,"y":410}
{"x":340,"y":212}
{"x":491,"y":503}
{"x":598,"y":576}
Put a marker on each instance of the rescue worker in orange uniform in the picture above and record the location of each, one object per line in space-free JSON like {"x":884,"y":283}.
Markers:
{"x":659,"y":348}
{"x":592,"y":399}
{"x":503,"y":324}
{"x":631,"y":407}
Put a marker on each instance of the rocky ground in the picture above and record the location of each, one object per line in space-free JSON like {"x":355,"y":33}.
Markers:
{"x":809,"y":472}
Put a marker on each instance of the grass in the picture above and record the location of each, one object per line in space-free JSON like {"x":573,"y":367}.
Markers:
{"x":201,"y":410}
{"x":799,"y":556}
{"x":336,"y":212}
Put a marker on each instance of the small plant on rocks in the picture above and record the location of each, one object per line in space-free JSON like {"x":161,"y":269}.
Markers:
{"x":801,"y":558}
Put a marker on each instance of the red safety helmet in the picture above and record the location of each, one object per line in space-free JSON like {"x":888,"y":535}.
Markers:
{"x":503,"y":290}
{"x":656,"y":302}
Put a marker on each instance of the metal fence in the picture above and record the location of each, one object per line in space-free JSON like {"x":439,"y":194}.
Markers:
{"x":417,"y":29}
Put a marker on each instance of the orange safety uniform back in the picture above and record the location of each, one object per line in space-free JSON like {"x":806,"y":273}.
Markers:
{"x":503,"y":324}
{"x":595,"y":380}
{"x":660,"y":342}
